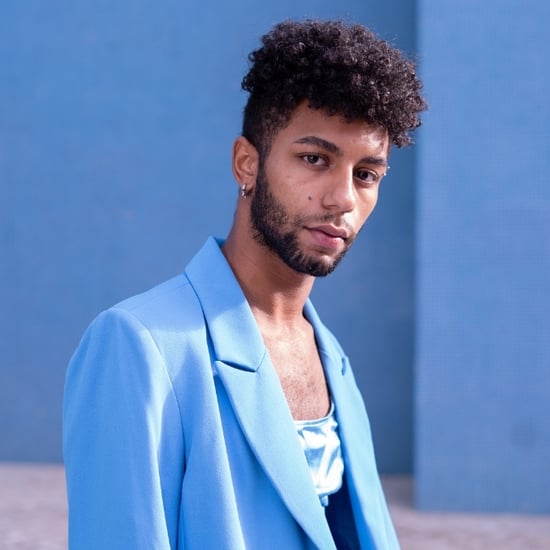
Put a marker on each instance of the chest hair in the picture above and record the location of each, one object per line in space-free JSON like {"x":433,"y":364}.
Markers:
{"x":296,"y":360}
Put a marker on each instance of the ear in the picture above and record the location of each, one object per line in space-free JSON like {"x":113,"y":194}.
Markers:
{"x":245,"y":162}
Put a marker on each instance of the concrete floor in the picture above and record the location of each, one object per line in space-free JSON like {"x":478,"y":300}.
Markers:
{"x":33,"y":517}
{"x":444,"y":531}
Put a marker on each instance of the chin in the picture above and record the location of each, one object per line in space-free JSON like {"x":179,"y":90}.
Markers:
{"x":316,"y":267}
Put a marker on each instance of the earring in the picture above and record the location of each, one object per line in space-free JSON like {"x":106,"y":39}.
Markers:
{"x":243,"y":191}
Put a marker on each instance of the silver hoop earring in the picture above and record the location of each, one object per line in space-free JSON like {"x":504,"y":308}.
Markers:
{"x":243,"y":191}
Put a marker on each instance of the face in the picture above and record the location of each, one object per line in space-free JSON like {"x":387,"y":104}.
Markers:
{"x":316,"y":188}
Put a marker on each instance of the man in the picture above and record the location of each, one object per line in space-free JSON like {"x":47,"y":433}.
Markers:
{"x":215,"y":410}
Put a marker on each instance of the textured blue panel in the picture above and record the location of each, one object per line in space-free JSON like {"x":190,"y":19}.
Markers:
{"x":483,"y":333}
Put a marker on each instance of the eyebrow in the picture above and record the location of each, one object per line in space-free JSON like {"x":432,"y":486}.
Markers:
{"x":320,"y":142}
{"x":335,"y":150}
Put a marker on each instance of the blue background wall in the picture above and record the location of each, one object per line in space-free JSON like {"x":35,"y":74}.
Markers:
{"x":483,"y":256}
{"x":116,"y":125}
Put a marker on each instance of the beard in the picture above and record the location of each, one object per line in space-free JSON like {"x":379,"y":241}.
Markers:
{"x":274,"y":229}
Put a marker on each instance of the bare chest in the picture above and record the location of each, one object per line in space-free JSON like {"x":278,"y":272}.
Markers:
{"x":298,"y":365}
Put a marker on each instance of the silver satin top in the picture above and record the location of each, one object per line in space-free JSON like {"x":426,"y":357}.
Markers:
{"x":321,"y":445}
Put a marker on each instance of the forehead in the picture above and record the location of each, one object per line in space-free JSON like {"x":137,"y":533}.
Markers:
{"x":346,"y":135}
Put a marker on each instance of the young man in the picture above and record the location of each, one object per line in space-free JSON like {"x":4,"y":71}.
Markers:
{"x":216,"y":410}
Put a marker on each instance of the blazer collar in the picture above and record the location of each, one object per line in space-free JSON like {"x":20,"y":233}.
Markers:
{"x":254,"y":390}
{"x":235,"y":335}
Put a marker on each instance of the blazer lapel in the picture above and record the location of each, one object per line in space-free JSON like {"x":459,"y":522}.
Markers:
{"x":370,"y":512}
{"x":254,"y":390}
{"x":263,"y":414}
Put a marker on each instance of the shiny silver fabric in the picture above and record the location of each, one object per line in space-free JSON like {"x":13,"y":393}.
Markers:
{"x":321,"y":444}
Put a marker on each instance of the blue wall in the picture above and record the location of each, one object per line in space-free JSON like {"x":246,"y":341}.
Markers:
{"x":116,"y":125}
{"x":116,"y":122}
{"x":483,"y":307}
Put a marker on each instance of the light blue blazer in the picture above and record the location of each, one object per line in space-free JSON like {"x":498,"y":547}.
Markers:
{"x":177,"y":434}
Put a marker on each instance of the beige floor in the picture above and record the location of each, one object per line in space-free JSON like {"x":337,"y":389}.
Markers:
{"x":33,"y":517}
{"x":443,"y":531}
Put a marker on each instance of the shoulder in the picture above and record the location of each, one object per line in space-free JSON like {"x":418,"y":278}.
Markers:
{"x":158,"y":324}
{"x":164,"y":305}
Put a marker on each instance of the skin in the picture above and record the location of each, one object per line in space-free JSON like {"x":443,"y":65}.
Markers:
{"x":314,"y":191}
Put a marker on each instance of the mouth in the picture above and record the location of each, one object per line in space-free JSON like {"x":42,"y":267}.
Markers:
{"x":328,"y":237}
{"x":331,"y":231}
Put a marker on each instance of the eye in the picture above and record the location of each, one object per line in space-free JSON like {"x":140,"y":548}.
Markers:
{"x":314,"y":159}
{"x":368,"y":177}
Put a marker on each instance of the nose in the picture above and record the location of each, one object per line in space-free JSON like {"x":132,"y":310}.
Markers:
{"x":339,"y":194}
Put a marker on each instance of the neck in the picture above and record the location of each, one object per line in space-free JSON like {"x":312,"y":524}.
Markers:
{"x":275,"y":292}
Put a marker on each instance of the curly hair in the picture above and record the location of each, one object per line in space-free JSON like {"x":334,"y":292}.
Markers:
{"x":339,"y":68}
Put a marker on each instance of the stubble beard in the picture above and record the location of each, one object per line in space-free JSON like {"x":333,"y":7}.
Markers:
{"x":269,"y":220}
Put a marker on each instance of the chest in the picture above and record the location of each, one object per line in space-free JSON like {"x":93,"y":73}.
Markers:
{"x":296,"y":360}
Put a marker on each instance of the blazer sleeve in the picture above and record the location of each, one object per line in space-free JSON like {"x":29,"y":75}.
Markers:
{"x":122,"y":440}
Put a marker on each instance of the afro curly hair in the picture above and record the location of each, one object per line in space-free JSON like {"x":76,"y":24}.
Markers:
{"x":339,"y":68}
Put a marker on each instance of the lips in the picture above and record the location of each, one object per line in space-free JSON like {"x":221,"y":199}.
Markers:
{"x":331,"y":231}
{"x":328,"y":238}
